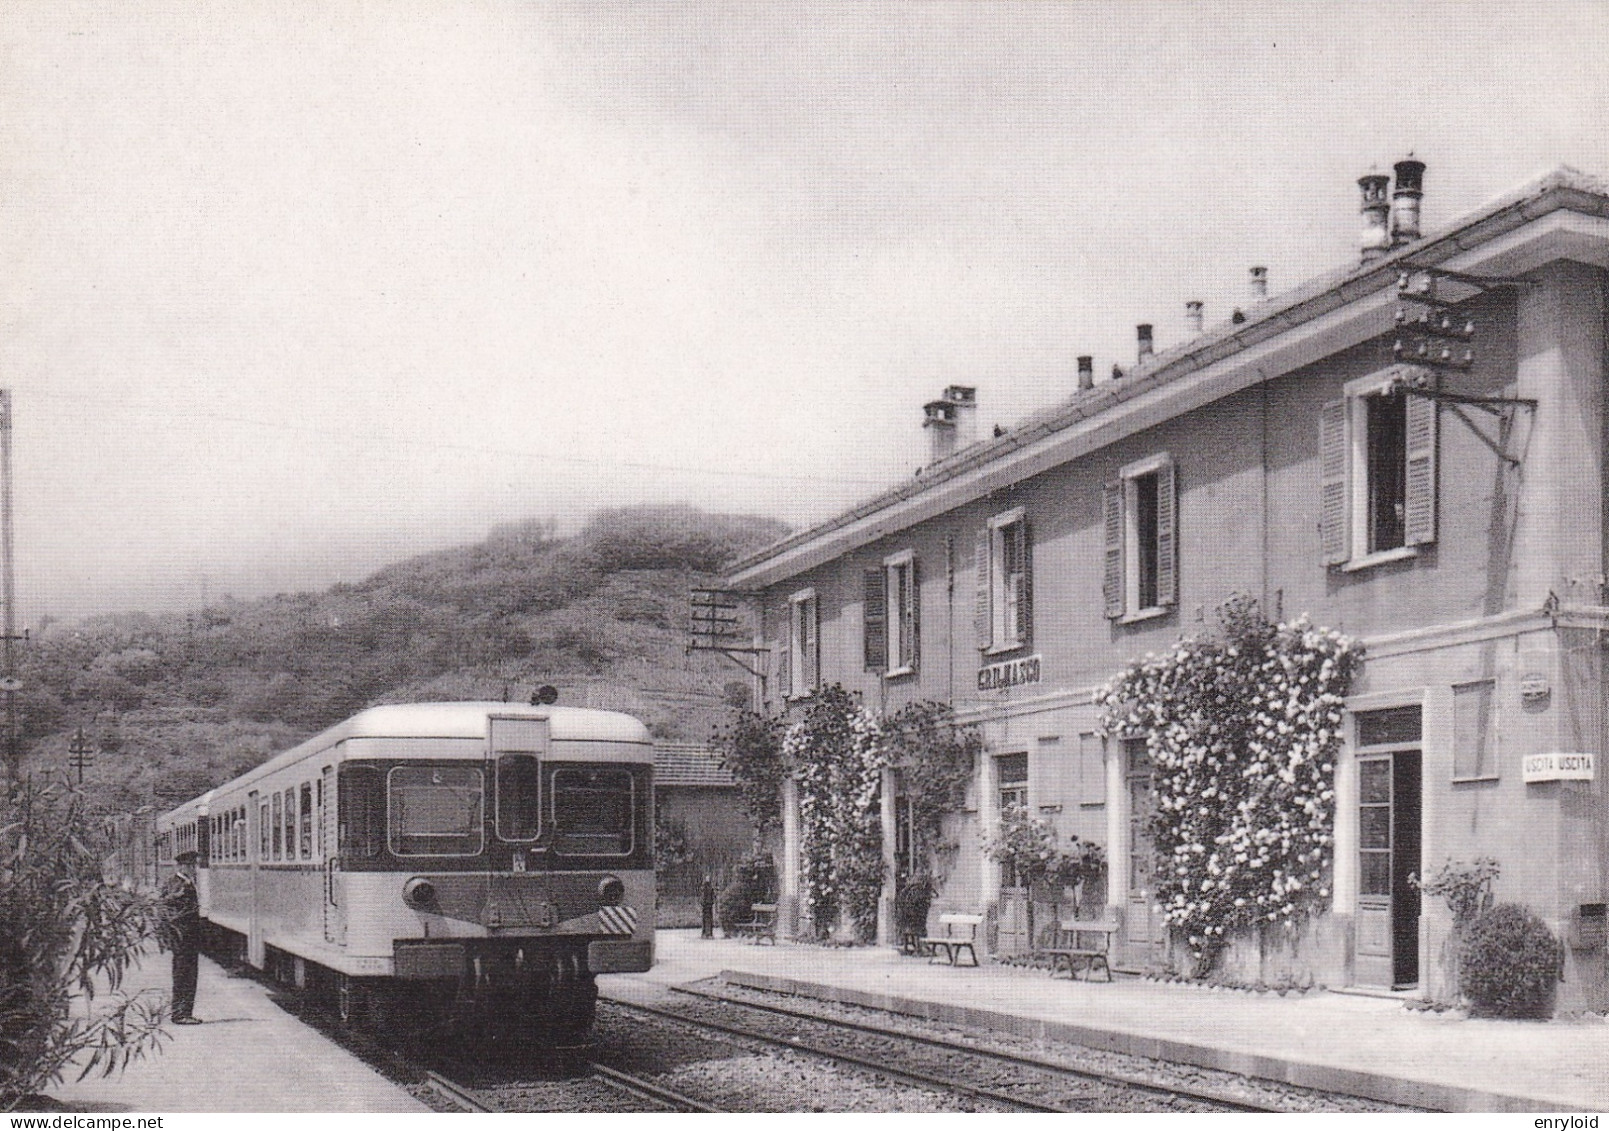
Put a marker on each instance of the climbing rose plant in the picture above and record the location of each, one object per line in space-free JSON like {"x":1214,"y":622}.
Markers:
{"x":838,"y":755}
{"x":1242,"y":730}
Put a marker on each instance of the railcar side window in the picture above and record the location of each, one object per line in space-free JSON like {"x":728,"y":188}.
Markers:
{"x":277,"y":822}
{"x":592,"y":812}
{"x":435,"y":811}
{"x":360,"y":799}
{"x":307,"y":821}
{"x":262,"y":832}
{"x":290,"y":823}
{"x":519,"y":797}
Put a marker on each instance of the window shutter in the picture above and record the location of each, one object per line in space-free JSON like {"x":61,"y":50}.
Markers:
{"x":1419,"y":491}
{"x":811,"y":660}
{"x":1025,"y":582}
{"x":1112,"y":577}
{"x":1332,"y":520}
{"x":1167,"y":538}
{"x":915,"y":592}
{"x":982,"y":614}
{"x":785,"y":659}
{"x":876,"y":620}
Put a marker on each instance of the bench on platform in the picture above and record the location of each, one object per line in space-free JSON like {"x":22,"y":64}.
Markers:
{"x":1082,"y":946}
{"x":952,"y":942}
{"x":761,"y":924}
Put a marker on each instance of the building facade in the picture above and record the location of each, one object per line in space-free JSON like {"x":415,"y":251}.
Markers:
{"x":1410,"y":451}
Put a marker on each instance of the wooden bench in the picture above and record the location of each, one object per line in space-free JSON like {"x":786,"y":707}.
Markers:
{"x":761,"y":924}
{"x":952,"y":942}
{"x":1081,"y":946}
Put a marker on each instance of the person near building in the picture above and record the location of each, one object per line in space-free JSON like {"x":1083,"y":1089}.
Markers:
{"x":181,"y":909}
{"x":706,"y":900}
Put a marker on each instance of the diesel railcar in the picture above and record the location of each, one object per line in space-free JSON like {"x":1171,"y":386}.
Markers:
{"x":475,"y":864}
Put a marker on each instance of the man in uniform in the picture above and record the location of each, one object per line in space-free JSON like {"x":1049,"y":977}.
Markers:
{"x":706,"y":904}
{"x":182,"y":913}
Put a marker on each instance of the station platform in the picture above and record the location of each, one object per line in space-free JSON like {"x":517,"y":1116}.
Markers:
{"x":248,"y":1056}
{"x":1363,"y":1045}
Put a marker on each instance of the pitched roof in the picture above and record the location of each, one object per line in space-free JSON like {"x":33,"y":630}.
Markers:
{"x":681,"y":763}
{"x":993,"y":463}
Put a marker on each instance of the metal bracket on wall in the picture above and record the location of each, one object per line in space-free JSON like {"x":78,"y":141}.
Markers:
{"x":1500,"y":407}
{"x":714,"y":628}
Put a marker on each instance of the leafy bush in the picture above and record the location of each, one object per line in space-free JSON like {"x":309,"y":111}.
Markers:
{"x":1467,"y":888}
{"x":752,"y":883}
{"x":62,"y":930}
{"x":1509,"y":964}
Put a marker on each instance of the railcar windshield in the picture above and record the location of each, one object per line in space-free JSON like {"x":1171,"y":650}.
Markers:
{"x":593,"y":812}
{"x":435,"y":811}
{"x":519,"y":797}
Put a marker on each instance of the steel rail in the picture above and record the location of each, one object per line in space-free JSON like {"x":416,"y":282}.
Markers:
{"x":1117,"y":1079}
{"x":636,"y":1085}
{"x":467,"y":1098}
{"x":908,"y":1075}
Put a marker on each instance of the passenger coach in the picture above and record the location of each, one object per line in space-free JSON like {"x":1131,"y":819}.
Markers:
{"x":477,"y":863}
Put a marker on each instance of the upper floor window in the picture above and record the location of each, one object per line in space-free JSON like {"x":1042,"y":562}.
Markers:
{"x":1377,"y":467}
{"x":893,"y":616}
{"x":1140,"y":518}
{"x":1004,"y":613}
{"x":804,"y":644}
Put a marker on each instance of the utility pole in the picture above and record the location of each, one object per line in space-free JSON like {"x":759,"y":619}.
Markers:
{"x":82,"y":754}
{"x":9,"y":683}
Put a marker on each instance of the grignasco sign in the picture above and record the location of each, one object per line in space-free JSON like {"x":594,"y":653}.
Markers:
{"x":1010,"y":673}
{"x":1557,"y":767}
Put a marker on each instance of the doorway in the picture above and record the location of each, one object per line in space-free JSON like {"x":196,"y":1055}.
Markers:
{"x":1389,"y":840}
{"x":1015,"y":928}
{"x":1145,"y":934}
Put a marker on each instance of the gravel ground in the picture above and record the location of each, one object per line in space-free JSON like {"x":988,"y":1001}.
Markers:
{"x":1163,"y":1074}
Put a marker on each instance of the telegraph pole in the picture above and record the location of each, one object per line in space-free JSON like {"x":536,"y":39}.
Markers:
{"x":9,"y":683}
{"x":8,"y":679}
{"x":82,"y":754}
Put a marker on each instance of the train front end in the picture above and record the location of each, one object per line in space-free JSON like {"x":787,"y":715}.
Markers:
{"x":504,"y":884}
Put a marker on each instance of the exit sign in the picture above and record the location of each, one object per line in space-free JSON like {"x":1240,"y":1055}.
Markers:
{"x":1557,"y":767}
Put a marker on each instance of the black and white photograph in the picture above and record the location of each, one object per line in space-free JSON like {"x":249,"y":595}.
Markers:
{"x":940,"y":557}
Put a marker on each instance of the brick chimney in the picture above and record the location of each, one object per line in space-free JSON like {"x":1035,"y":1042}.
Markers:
{"x":1405,"y":201}
{"x":1376,"y":211}
{"x":1193,"y":316}
{"x":965,"y":400}
{"x":1259,"y":284}
{"x":1142,"y":333}
{"x":1086,"y":371}
{"x":938,"y":421}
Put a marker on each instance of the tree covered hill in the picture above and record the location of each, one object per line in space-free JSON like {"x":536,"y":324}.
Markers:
{"x":173,"y":704}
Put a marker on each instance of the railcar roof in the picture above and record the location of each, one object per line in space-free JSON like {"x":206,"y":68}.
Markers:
{"x":451,"y":720}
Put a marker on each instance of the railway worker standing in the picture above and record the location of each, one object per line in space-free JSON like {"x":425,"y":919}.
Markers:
{"x":706,"y":899}
{"x":182,"y":915}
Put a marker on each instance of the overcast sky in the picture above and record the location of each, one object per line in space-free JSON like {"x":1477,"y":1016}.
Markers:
{"x":292,"y":291}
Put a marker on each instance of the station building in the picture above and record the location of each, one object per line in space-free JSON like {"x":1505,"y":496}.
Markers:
{"x":1410,"y":451}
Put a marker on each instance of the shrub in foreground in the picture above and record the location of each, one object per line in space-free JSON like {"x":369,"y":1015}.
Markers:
{"x":1510,"y":964}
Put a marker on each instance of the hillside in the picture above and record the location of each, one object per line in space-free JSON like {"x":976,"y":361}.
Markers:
{"x":174,"y":704}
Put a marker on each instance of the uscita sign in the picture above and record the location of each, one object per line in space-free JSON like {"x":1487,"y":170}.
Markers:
{"x":1557,"y":767}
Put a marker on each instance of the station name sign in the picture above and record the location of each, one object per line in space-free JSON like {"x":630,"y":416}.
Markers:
{"x":1558,"y":767}
{"x":1011,"y":673}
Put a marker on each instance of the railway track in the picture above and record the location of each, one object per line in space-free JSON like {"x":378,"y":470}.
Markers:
{"x":488,"y":1100}
{"x":1030,"y":1085}
{"x":1215,"y":1098}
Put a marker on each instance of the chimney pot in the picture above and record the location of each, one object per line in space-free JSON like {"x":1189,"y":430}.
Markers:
{"x":1086,"y":371}
{"x":939,"y":422}
{"x":964,"y":398}
{"x":1259,"y":284}
{"x":1376,"y":211}
{"x":1405,"y":201}
{"x":1193,"y":315}
{"x":1143,"y":333}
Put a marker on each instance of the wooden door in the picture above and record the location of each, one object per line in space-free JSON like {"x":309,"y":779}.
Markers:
{"x":1388,"y":853}
{"x":1145,"y":934}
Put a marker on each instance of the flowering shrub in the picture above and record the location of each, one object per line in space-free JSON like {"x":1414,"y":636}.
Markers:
{"x":1467,"y":888}
{"x":750,"y":745}
{"x":838,"y":755}
{"x":1026,"y":845}
{"x":936,"y":760}
{"x":1242,"y":732}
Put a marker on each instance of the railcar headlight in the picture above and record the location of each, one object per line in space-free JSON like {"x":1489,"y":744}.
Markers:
{"x":419,"y":892}
{"x":611,"y":890}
